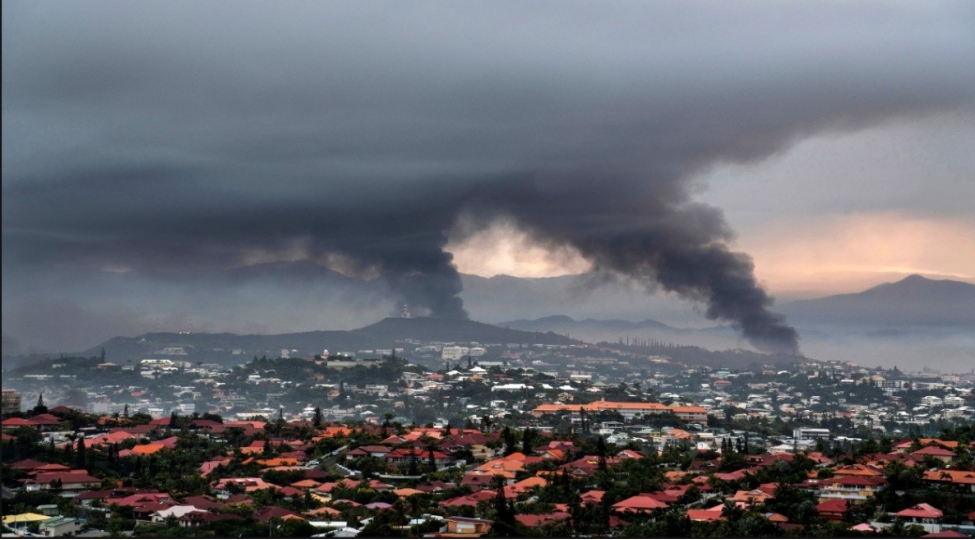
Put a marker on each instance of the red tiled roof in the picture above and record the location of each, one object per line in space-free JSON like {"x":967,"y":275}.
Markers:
{"x":833,"y":506}
{"x":935,"y":451}
{"x":705,"y":515}
{"x":946,"y":534}
{"x":854,"y":481}
{"x":922,"y":510}
{"x":537,"y":520}
{"x":28,"y":464}
{"x":70,"y":477}
{"x":639,"y":503}
{"x":45,"y":420}
{"x":17,"y":422}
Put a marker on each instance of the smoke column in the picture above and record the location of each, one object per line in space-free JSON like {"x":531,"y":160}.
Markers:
{"x":648,"y":231}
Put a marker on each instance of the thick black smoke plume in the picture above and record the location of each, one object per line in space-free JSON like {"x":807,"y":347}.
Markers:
{"x":645,"y":229}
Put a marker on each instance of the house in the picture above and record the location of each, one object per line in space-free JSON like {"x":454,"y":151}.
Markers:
{"x":935,"y":452}
{"x":854,"y":488}
{"x":921,"y":514}
{"x":956,"y":478}
{"x":45,"y":421}
{"x":641,"y":503}
{"x":204,"y":502}
{"x":67,"y":483}
{"x":691,"y":414}
{"x":857,"y":470}
{"x":750,"y":497}
{"x":177,"y":511}
{"x":61,"y":526}
{"x":462,"y":500}
{"x":406,"y":492}
{"x":208,"y":466}
{"x":946,"y":534}
{"x":276,"y":512}
{"x":500,"y":466}
{"x":538,"y":520}
{"x":467,"y":526}
{"x":48,"y":510}
{"x":373,"y":450}
{"x":197,"y":518}
{"x":143,"y":450}
{"x":14,"y":423}
{"x":705,"y":515}
{"x":28,"y":465}
{"x":628,"y":410}
{"x":592,"y":497}
{"x":833,"y":509}
{"x":247,"y":484}
{"x":20,"y":521}
{"x":732,"y":476}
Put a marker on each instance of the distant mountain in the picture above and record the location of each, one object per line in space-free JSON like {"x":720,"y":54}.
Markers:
{"x":913,"y":301}
{"x":613,"y":330}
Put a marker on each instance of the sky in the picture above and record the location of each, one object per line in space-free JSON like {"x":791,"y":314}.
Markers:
{"x":728,"y":153}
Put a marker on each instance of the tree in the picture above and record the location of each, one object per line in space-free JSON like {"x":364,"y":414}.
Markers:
{"x":317,"y":420}
{"x":510,"y":445}
{"x":81,"y":457}
{"x":732,"y":512}
{"x":601,"y":446}
{"x":40,"y":408}
{"x":527,"y":438}
{"x":504,"y":513}
{"x":432,"y":459}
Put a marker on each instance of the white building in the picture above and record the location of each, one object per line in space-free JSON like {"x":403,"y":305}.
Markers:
{"x":931,"y":401}
{"x":954,"y":401}
{"x":810,"y":433}
{"x":454,"y":353}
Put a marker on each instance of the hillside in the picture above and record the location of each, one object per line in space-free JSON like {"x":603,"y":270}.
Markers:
{"x":221,"y":347}
{"x":385,"y":334}
{"x":616,"y":330}
{"x":564,"y":324}
{"x":429,"y":329}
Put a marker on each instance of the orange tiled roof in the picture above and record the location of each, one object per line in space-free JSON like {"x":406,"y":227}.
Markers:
{"x":857,"y":470}
{"x":146,"y":449}
{"x":603,"y":406}
{"x":689,"y":409}
{"x":954,"y":477}
{"x":501,"y":465}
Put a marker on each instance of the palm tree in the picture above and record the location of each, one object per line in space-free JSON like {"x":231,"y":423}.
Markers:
{"x":732,"y":512}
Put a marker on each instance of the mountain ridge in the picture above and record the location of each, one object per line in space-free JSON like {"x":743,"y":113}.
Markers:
{"x":914,"y":301}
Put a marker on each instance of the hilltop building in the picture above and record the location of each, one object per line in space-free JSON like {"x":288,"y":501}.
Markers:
{"x":11,"y":401}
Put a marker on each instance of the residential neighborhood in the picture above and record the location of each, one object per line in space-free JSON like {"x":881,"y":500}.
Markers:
{"x":533,"y":441}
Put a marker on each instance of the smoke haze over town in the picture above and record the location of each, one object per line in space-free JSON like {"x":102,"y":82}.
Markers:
{"x":184,"y":166}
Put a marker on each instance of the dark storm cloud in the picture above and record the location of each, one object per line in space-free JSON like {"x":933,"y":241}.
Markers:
{"x":183,"y":135}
